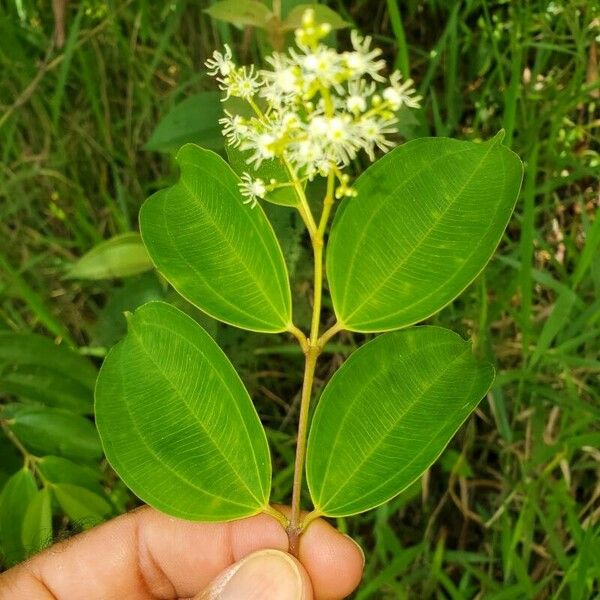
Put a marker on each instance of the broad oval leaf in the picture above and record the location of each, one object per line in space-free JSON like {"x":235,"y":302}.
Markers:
{"x":44,"y":385}
{"x":218,"y":253}
{"x":34,"y":367}
{"x":53,"y":431}
{"x":176,"y":422}
{"x":32,"y":349}
{"x":387,"y":414}
{"x":427,"y":218}
{"x":83,"y":507}
{"x":194,"y":120}
{"x":121,"y":256}
{"x":241,"y":12}
{"x":37,"y":524}
{"x":14,"y":500}
{"x":58,"y":470}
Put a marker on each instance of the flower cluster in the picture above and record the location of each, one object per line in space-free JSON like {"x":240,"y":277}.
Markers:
{"x":314,"y":109}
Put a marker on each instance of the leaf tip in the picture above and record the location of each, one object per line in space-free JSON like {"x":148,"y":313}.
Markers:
{"x":498,"y":138}
{"x":128,"y":316}
{"x":186,"y":149}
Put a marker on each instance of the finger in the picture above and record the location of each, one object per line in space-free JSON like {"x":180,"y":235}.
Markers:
{"x":146,"y":554}
{"x":334,"y":562}
{"x":141,"y":555}
{"x":263,"y":575}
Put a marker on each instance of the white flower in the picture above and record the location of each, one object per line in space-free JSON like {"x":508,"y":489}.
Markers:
{"x":401,"y":94}
{"x":234,"y":128}
{"x":373,"y":131}
{"x":356,"y":104}
{"x":317,"y":127}
{"x":318,"y":66}
{"x":334,"y":136}
{"x":220,"y":64}
{"x":282,"y":83}
{"x":288,"y":122}
{"x":358,"y":92}
{"x":306,"y":153}
{"x":323,"y":166}
{"x":362,"y":61}
{"x":338,"y":129}
{"x":313,"y":108}
{"x":342,"y":141}
{"x":262,"y":145}
{"x":252,"y":189}
{"x":240,"y":83}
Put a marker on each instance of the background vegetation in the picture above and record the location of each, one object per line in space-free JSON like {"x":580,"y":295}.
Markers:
{"x":512,"y":508}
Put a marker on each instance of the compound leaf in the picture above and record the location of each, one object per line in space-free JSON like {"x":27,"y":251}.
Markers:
{"x":176,"y":422}
{"x":387,"y":414}
{"x":427,"y":218}
{"x":218,"y":253}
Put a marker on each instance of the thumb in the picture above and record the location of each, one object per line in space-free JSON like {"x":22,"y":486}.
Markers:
{"x":264,"y":575}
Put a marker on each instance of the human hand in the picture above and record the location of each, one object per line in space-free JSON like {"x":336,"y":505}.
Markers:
{"x":145,"y":555}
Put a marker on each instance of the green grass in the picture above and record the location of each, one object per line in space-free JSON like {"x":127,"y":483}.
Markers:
{"x":512,"y":509}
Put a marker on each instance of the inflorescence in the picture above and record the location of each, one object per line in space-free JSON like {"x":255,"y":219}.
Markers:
{"x":314,"y":110}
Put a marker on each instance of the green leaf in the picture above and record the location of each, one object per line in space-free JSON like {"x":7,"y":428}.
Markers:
{"x":53,"y":431}
{"x":194,"y":120}
{"x":555,"y":323}
{"x":427,"y":218}
{"x":241,"y":12}
{"x":323,"y":14}
{"x":35,"y":368}
{"x":176,"y":422}
{"x":15,"y":286}
{"x":218,"y":253}
{"x":11,"y":460}
{"x":14,"y":500}
{"x":37,"y":524}
{"x":43,"y":385}
{"x":454,"y":462}
{"x":121,"y":256}
{"x":110,"y":325}
{"x":30,"y":349}
{"x":387,"y":414}
{"x":82,"y":506}
{"x":269,"y":169}
{"x":289,"y":229}
{"x":58,"y":470}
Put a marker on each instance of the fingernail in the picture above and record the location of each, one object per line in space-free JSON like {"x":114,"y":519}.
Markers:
{"x":362,"y":552}
{"x":263,"y":575}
